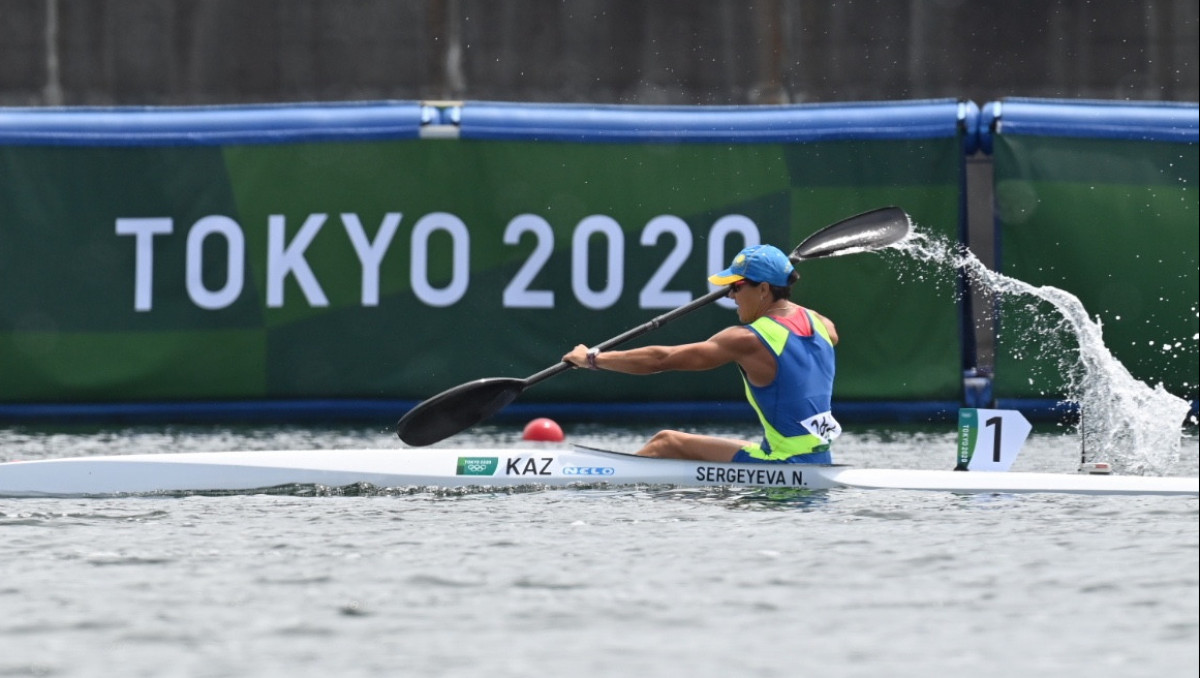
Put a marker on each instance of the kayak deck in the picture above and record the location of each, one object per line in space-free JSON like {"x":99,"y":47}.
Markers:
{"x":247,"y":471}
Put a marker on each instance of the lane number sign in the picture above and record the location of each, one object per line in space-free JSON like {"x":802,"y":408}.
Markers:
{"x":990,"y":440}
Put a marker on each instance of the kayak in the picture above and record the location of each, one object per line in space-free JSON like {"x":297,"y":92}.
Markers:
{"x":551,"y":466}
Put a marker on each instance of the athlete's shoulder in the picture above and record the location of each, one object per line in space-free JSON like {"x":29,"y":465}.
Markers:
{"x":830,"y":328}
{"x":735,"y":333}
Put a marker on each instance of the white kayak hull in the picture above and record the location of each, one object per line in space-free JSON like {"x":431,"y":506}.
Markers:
{"x":219,"y":472}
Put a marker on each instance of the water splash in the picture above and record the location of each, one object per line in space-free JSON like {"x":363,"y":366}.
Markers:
{"x":1138,"y":429}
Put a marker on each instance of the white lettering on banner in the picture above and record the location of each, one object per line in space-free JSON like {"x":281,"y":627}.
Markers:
{"x":143,"y":232}
{"x":655,"y":294}
{"x":284,"y":259}
{"x":370,"y":254}
{"x":235,"y":262}
{"x":460,"y":269}
{"x":517,"y":293}
{"x":597,"y":224}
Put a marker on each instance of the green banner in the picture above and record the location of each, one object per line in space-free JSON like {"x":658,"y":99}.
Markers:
{"x":394,"y":269}
{"x":1114,"y":223}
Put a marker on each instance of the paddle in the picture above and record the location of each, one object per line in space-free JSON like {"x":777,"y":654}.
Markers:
{"x":465,"y":405}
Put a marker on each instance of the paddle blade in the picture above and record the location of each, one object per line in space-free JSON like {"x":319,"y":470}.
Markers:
{"x":863,"y":232}
{"x":457,"y":409}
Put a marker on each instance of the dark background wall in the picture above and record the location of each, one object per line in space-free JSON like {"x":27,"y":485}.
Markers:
{"x":158,"y":52}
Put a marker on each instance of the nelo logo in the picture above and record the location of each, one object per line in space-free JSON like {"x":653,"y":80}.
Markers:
{"x":588,"y":470}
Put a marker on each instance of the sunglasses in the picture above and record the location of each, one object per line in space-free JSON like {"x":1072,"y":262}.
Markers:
{"x":734,"y":287}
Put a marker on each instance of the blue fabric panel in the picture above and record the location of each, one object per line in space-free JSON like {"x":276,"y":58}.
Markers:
{"x":1135,"y":121}
{"x":209,"y":126}
{"x":718,"y":124}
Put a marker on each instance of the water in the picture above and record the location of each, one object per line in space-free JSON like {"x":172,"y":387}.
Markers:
{"x":599,"y":582}
{"x":623,"y":582}
{"x":1133,"y":426}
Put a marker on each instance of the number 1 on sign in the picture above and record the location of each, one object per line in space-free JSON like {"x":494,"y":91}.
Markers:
{"x":999,"y":423}
{"x":1006,"y":439}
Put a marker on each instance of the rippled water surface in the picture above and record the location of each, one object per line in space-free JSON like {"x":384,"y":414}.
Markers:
{"x":596,"y":582}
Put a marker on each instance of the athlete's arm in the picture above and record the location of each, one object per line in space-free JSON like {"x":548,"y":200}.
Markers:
{"x":732,"y":344}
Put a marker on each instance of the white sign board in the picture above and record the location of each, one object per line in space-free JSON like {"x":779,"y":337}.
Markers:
{"x":990,"y":440}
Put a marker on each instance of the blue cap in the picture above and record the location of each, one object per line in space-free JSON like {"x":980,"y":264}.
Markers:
{"x":760,"y":263}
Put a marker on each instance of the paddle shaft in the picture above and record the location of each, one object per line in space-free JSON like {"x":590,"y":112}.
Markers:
{"x":632,"y":333}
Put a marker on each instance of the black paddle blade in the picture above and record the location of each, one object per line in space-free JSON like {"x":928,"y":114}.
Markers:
{"x":457,"y":409}
{"x":863,"y":232}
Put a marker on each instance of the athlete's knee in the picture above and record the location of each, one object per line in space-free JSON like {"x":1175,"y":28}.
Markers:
{"x":664,"y":444}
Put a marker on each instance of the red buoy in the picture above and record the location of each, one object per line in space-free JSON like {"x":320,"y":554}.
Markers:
{"x":543,"y":430}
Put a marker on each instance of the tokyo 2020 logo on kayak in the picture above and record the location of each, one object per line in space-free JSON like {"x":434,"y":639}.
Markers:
{"x":477,"y":466}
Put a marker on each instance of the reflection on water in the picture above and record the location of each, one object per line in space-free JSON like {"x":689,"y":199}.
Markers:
{"x":747,"y":499}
